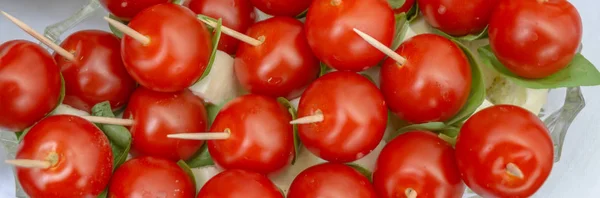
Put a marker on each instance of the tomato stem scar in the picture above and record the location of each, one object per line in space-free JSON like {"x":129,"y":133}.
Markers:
{"x":336,"y":2}
{"x":129,"y":31}
{"x":513,"y":169}
{"x":52,"y":158}
{"x":317,"y":117}
{"x":381,"y":47}
{"x":202,"y":135}
{"x":25,"y":163}
{"x":235,"y":34}
{"x":106,"y":120}
{"x":410,"y":193}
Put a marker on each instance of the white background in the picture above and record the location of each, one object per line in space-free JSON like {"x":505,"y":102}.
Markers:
{"x":576,"y":175}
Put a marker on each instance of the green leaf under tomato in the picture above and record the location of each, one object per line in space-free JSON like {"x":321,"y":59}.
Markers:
{"x":212,"y":110}
{"x":430,"y":126}
{"x":201,"y":158}
{"x":302,"y":15}
{"x":114,"y":30}
{"x":188,"y":171}
{"x":119,"y":136}
{"x":579,"y":72}
{"x":215,"y":42}
{"x":395,"y":4}
{"x":413,"y":13}
{"x":178,"y":2}
{"x":470,"y":37}
{"x":450,"y":140}
{"x":324,"y":69}
{"x":297,"y":144}
{"x":104,"y":194}
{"x":361,"y":170}
{"x":400,"y":30}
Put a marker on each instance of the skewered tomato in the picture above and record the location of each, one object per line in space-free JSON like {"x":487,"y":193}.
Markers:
{"x":29,"y":84}
{"x":289,"y":8}
{"x":261,"y":139}
{"x":458,"y":17}
{"x":78,"y":153}
{"x":157,"y":115}
{"x":282,"y":65}
{"x":427,"y":89}
{"x":235,"y":183}
{"x":504,"y":151}
{"x":331,"y":180}
{"x":127,"y":9}
{"x":354,"y":112}
{"x":97,"y":74}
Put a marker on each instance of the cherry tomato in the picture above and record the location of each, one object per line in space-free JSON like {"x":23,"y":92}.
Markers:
{"x":151,"y":177}
{"x":427,"y":89}
{"x":331,"y":180}
{"x":494,"y":139}
{"x":535,"y":39}
{"x":177,"y":54}
{"x":236,"y":14}
{"x":97,"y":74}
{"x":127,"y":9}
{"x":261,"y":140}
{"x":235,"y":183}
{"x":29,"y":84}
{"x":157,"y":115}
{"x":329,"y":25}
{"x":79,"y":153}
{"x":458,"y":17}
{"x":419,"y":163}
{"x":289,"y":8}
{"x":408,"y":4}
{"x":283,"y":65}
{"x":354,"y":112}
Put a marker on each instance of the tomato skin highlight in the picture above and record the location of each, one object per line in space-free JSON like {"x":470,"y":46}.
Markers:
{"x":355,"y":117}
{"x":151,"y":177}
{"x":236,"y":14}
{"x":97,"y":74}
{"x":127,"y":9}
{"x":535,"y":40}
{"x":157,"y":115}
{"x":261,"y":140}
{"x":80,"y":154}
{"x":331,"y":180}
{"x":330,"y":35}
{"x":427,"y":89}
{"x":177,"y":54}
{"x":458,"y":17}
{"x":283,"y":65}
{"x":421,"y":161}
{"x":235,"y":183}
{"x":499,"y":135}
{"x":29,"y":84}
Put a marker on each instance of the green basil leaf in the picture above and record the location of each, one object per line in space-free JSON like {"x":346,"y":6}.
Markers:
{"x":430,"y":126}
{"x":215,"y":43}
{"x":361,"y":170}
{"x":413,"y":13}
{"x":104,"y":194}
{"x":324,"y":69}
{"x":297,"y":144}
{"x":450,"y":140}
{"x":400,"y":30}
{"x":395,"y":4}
{"x":178,"y":2}
{"x":22,"y":134}
{"x":302,"y":15}
{"x":579,"y":72}
{"x":187,"y":170}
{"x":201,"y":158}
{"x":470,"y":37}
{"x":119,"y":136}
{"x":113,"y":29}
{"x":477,"y":93}
{"x":450,"y":131}
{"x":212,"y":110}
{"x":368,"y":77}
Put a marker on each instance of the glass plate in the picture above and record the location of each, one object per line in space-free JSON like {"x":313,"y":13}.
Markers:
{"x":558,"y":113}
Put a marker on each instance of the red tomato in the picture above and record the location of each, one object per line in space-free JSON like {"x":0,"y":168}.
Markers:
{"x":97,"y":74}
{"x":417,"y":161}
{"x":127,"y":9}
{"x":354,"y":112}
{"x":151,"y":177}
{"x":331,"y":180}
{"x":427,"y":89}
{"x":458,"y":17}
{"x":177,"y":54}
{"x":408,"y":4}
{"x":235,"y":183}
{"x":29,"y":84}
{"x":79,"y":153}
{"x":329,"y":32}
{"x":499,"y":135}
{"x":157,"y":115}
{"x":236,"y":14}
{"x":289,"y":8}
{"x":283,"y":65}
{"x":535,"y":39}
{"x":261,"y":140}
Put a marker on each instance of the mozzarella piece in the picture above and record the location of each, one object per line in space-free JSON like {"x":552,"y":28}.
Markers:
{"x":220,"y":84}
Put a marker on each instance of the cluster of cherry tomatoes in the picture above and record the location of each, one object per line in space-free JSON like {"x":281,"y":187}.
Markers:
{"x":500,"y":151}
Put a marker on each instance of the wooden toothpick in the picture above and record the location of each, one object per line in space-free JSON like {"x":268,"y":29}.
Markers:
{"x":201,"y":136}
{"x":317,"y":117}
{"x":107,"y":120}
{"x":128,"y":31}
{"x":25,"y":163}
{"x":381,"y":47}
{"x":59,"y":50}
{"x":235,"y":34}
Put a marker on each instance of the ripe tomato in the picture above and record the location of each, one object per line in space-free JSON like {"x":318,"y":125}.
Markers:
{"x":79,"y":153}
{"x":235,"y":183}
{"x":289,"y":8}
{"x":157,"y":115}
{"x":497,"y":136}
{"x":408,"y":4}
{"x":177,"y":54}
{"x":420,"y":162}
{"x":458,"y":17}
{"x":151,"y":177}
{"x":329,"y":32}
{"x":29,"y":84}
{"x":97,"y":74}
{"x":236,"y":14}
{"x":535,"y":39}
{"x":331,"y":180}
{"x":427,"y":89}
{"x":354,"y":112}
{"x":261,"y":140}
{"x":283,"y":65}
{"x":127,"y":9}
